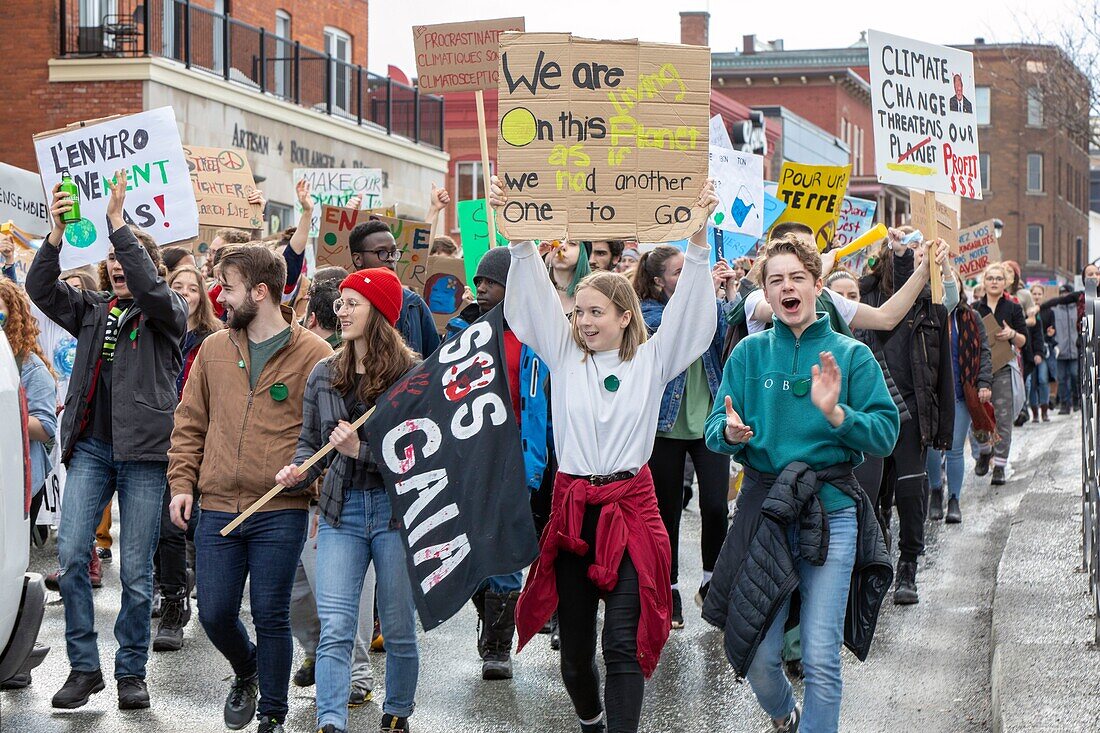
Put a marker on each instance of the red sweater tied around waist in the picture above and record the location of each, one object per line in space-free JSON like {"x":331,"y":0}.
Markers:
{"x":629,"y":522}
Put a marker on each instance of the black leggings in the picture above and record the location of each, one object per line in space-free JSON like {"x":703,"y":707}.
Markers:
{"x":170,"y":559}
{"x":713,"y":470}
{"x":904,"y":486}
{"x":577,"y":625}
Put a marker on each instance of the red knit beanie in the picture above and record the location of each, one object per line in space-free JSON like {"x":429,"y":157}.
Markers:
{"x":381,"y":287}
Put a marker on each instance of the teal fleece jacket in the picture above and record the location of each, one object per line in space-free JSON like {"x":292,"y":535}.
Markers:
{"x":768,"y":378}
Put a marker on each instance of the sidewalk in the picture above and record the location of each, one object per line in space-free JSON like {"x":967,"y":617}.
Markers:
{"x":1045,"y":666}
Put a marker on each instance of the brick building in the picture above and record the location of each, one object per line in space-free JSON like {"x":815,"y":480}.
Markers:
{"x":285,"y":80}
{"x":1033,"y":112}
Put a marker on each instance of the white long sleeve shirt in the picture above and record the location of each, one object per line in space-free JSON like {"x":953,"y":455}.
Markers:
{"x":596,"y":431}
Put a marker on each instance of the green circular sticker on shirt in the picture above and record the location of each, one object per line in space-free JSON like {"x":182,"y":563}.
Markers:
{"x":279,"y":392}
{"x":802,"y":387}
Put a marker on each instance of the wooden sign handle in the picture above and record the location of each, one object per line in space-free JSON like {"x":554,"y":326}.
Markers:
{"x":482,"y":135}
{"x":259,"y":503}
{"x":935,"y":276}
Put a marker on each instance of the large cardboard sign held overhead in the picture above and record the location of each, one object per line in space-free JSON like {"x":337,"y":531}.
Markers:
{"x":147,"y":146}
{"x":333,"y":245}
{"x":924,"y":115}
{"x":222,"y":179}
{"x":601,"y":139}
{"x":460,"y":57}
{"x":814,"y":195}
{"x":21,"y":200}
{"x":978,"y":249}
{"x":335,"y":187}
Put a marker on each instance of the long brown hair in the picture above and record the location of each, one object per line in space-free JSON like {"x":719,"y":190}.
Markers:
{"x":388,"y":357}
{"x":617,"y":289}
{"x":650,"y":265}
{"x":203,"y":319}
{"x":21,"y":326}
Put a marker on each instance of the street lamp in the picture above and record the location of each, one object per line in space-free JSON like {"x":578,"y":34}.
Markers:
{"x":998,"y":228}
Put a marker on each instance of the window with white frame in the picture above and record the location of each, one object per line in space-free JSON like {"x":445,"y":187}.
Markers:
{"x":284,"y":55}
{"x":1034,"y":242}
{"x":338,"y":46}
{"x":983,"y":165}
{"x":1034,"y":107}
{"x":981,"y":104}
{"x":1034,"y":172}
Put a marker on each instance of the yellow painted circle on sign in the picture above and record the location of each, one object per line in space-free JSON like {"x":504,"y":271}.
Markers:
{"x":517,"y":127}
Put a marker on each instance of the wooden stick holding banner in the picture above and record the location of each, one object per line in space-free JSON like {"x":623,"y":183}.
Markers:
{"x":480,"y":96}
{"x":869,"y":237}
{"x":934,"y":220}
{"x":259,"y":504}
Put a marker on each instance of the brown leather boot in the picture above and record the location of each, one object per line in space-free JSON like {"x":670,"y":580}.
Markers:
{"x":1034,"y":414}
{"x":1044,"y":409}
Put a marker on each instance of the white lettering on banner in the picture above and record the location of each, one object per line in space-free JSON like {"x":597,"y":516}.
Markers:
{"x":399,"y":464}
{"x":427,"y":486}
{"x":472,"y":338}
{"x":498,"y":415}
{"x":446,"y":513}
{"x":451,"y":553}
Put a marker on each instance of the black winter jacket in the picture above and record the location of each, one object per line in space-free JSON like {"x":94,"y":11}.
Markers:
{"x":756,"y":570}
{"x":918,"y":352}
{"x":146,"y":364}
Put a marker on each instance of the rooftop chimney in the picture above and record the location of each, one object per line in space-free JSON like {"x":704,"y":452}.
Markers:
{"x":979,"y":41}
{"x":695,"y":28}
{"x":748,"y":44}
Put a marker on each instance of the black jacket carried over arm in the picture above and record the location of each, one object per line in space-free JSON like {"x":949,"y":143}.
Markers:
{"x":918,"y":354}
{"x":147,"y":360}
{"x":756,"y":571}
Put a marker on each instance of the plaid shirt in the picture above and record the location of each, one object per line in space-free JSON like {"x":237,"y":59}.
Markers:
{"x":322,"y":409}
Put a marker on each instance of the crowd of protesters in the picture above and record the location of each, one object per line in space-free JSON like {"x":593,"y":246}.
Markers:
{"x":805,"y":403}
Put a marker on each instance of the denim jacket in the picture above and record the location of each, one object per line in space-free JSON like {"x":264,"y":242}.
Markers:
{"x":652,"y":312}
{"x":534,"y":401}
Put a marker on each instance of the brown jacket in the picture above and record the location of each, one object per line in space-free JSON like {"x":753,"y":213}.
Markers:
{"x":229,"y":442}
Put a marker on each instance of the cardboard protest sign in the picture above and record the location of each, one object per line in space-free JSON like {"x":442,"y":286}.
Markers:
{"x":978,"y":249}
{"x":333,"y":247}
{"x":459,"y":521}
{"x":159,"y":196}
{"x":335,"y":187}
{"x":813,"y":195}
{"x":925,"y":124}
{"x":413,"y":245}
{"x":460,"y":57}
{"x":25,"y":249}
{"x":856,"y":217}
{"x":739,"y":183}
{"x":1000,"y":352}
{"x":601,"y":139}
{"x":222,"y":179}
{"x":474,"y":231}
{"x":21,"y":200}
{"x":444,"y":286}
{"x":934,"y":218}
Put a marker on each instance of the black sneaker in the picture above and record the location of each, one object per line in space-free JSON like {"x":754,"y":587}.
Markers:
{"x":17,"y":681}
{"x":790,"y":725}
{"x":598,"y":727}
{"x":133,"y":694}
{"x":954,"y":513}
{"x":981,"y":466}
{"x":77,"y":689}
{"x":269,"y":725}
{"x":306,"y":674}
{"x":359,"y":697}
{"x":998,"y":476}
{"x":104,"y":554}
{"x":175,"y":616}
{"x":393,"y":724}
{"x":701,"y":594}
{"x":240,"y":703}
{"x":677,"y":610}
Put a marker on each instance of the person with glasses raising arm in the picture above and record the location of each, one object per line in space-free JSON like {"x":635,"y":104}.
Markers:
{"x":373,"y":245}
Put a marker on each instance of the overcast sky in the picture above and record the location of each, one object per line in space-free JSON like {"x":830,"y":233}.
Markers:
{"x":816,"y":24}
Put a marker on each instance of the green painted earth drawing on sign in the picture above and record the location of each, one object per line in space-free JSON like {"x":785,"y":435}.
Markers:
{"x":81,"y":234}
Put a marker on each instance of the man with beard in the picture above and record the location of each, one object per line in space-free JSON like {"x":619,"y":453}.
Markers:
{"x":237,"y":423}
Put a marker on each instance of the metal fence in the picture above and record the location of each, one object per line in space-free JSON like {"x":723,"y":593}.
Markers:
{"x":1090,"y":430}
{"x":253,"y":57}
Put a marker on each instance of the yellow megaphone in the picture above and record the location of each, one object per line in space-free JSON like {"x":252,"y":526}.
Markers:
{"x":872,"y":235}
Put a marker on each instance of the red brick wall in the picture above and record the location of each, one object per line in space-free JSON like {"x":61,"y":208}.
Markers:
{"x":308,"y":19}
{"x":694,"y":28}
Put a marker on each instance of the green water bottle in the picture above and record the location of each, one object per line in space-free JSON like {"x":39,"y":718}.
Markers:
{"x":67,"y":186}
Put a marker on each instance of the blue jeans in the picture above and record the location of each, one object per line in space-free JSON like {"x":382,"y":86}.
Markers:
{"x":1068,"y":392}
{"x":956,"y":461}
{"x":265,"y":551}
{"x":366,"y":534}
{"x":824,"y":592}
{"x":504,"y":584}
{"x":1038,"y":388}
{"x":93,"y":478}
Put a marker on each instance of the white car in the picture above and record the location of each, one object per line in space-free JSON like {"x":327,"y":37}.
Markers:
{"x":22,"y":594}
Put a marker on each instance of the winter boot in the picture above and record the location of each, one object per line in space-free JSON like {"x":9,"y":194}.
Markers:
{"x":1045,"y":411}
{"x":954,"y":513}
{"x":1034,"y":413}
{"x":905,"y":589}
{"x":499,"y":628}
{"x":176,"y":612}
{"x":935,"y":509}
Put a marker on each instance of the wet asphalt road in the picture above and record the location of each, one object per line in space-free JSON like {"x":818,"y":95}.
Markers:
{"x":929,"y":666}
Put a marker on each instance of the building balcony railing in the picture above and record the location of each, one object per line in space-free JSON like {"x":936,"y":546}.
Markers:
{"x":253,"y":57}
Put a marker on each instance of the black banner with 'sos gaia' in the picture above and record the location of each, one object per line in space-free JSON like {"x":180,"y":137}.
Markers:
{"x":447,"y":444}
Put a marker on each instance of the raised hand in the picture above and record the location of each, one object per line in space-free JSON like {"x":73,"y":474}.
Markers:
{"x":438,"y":200}
{"x":256,"y":198}
{"x":737,"y":432}
{"x":825,"y":388}
{"x":355,"y":202}
{"x":497,"y":197}
{"x":304,"y":199}
{"x":117,"y":185}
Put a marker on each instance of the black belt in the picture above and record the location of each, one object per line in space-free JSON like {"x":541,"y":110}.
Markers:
{"x":609,"y":478}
